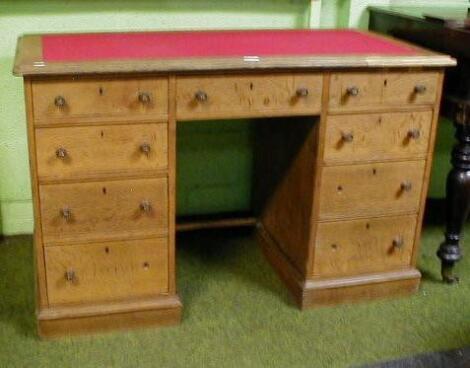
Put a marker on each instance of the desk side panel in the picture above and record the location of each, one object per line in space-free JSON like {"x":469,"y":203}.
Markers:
{"x":40,"y":275}
{"x":285,"y":154}
{"x":428,"y":167}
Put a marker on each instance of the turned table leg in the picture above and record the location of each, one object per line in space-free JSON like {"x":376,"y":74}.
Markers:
{"x":458,"y":203}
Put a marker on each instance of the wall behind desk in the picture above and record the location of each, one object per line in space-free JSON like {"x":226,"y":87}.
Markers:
{"x":203,"y":185}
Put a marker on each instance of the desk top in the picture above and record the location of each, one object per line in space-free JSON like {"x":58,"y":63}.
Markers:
{"x":215,"y":50}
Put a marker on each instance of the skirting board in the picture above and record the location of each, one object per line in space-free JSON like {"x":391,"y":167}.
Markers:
{"x":74,"y":320}
{"x":311,"y":293}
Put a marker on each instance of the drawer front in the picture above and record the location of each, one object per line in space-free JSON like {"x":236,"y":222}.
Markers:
{"x":371,"y":189}
{"x":90,"y":151}
{"x":106,"y":271}
{"x":359,"y":91}
{"x":219,"y":96}
{"x":377,"y":137}
{"x":103,"y":210}
{"x":363,"y":246}
{"x":67,"y":99}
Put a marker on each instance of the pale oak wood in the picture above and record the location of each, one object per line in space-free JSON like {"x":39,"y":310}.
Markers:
{"x":428,"y":168}
{"x":105,"y":210}
{"x":313,"y":293}
{"x":109,"y":307}
{"x":40,"y":278}
{"x":377,"y":137}
{"x":102,"y":317}
{"x":107,"y":271}
{"x":319,"y":153}
{"x":287,"y":272}
{"x":285,"y":155}
{"x":104,"y":97}
{"x":172,"y":183}
{"x":247,"y":95}
{"x":363,"y":246}
{"x":294,"y":211}
{"x":98,"y":151}
{"x":370,"y":189}
{"x":377,"y":89}
{"x":399,"y":284}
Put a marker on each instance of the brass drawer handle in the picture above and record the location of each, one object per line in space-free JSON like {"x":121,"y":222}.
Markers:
{"x":201,"y":96}
{"x":406,"y":186}
{"x":146,"y":206}
{"x":302,"y":92}
{"x":414,"y":133}
{"x":420,"y":89}
{"x":70,"y":276}
{"x":145,"y":148}
{"x":347,"y":137}
{"x":59,"y":101}
{"x":352,"y":91}
{"x":398,"y":242}
{"x":144,"y":98}
{"x":61,"y":153}
{"x":66,"y":213}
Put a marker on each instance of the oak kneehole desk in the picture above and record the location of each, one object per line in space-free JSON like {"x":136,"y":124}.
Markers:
{"x":340,"y":188}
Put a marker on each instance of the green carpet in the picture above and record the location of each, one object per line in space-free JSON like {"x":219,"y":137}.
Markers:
{"x":238,"y":314}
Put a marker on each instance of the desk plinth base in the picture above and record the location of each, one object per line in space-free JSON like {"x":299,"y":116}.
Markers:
{"x":314,"y":293}
{"x":80,"y":319}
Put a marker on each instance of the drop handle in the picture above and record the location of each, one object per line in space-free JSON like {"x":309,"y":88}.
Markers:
{"x":201,"y":96}
{"x":145,"y":148}
{"x":145,"y":206}
{"x":352,"y":91}
{"x":66,"y":213}
{"x":61,"y":153}
{"x":347,"y":137}
{"x":60,"y":101}
{"x":414,"y":134}
{"x":70,"y":276}
{"x":302,"y":92}
{"x":144,"y":98}
{"x":406,"y":186}
{"x":420,"y":89}
{"x":398,"y":242}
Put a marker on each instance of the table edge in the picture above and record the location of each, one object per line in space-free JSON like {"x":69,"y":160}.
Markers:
{"x":29,"y":62}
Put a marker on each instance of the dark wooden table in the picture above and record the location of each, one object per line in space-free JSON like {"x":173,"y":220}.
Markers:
{"x":445,"y":30}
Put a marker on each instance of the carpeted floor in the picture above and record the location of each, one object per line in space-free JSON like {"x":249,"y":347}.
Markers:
{"x":238,"y":314}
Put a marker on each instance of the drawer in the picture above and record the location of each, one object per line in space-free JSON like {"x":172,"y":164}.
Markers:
{"x":90,"y":151}
{"x":222,"y":96}
{"x":362,"y":90}
{"x":371,"y":189}
{"x":66,"y":100}
{"x":106,"y":271}
{"x":377,"y":137}
{"x":106,"y":210}
{"x":363,"y":246}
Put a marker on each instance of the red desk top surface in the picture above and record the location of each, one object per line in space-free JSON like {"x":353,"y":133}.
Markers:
{"x":156,"y":45}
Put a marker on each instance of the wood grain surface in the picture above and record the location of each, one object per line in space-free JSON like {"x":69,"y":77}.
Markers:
{"x":104,"y":210}
{"x":104,"y":97}
{"x":248,"y":95}
{"x":98,"y":151}
{"x":377,"y":137}
{"x":377,"y":89}
{"x":363,"y":246}
{"x":370,"y":189}
{"x":107,"y":271}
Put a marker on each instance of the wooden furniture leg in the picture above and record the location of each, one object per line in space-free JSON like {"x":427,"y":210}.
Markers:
{"x":458,"y":203}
